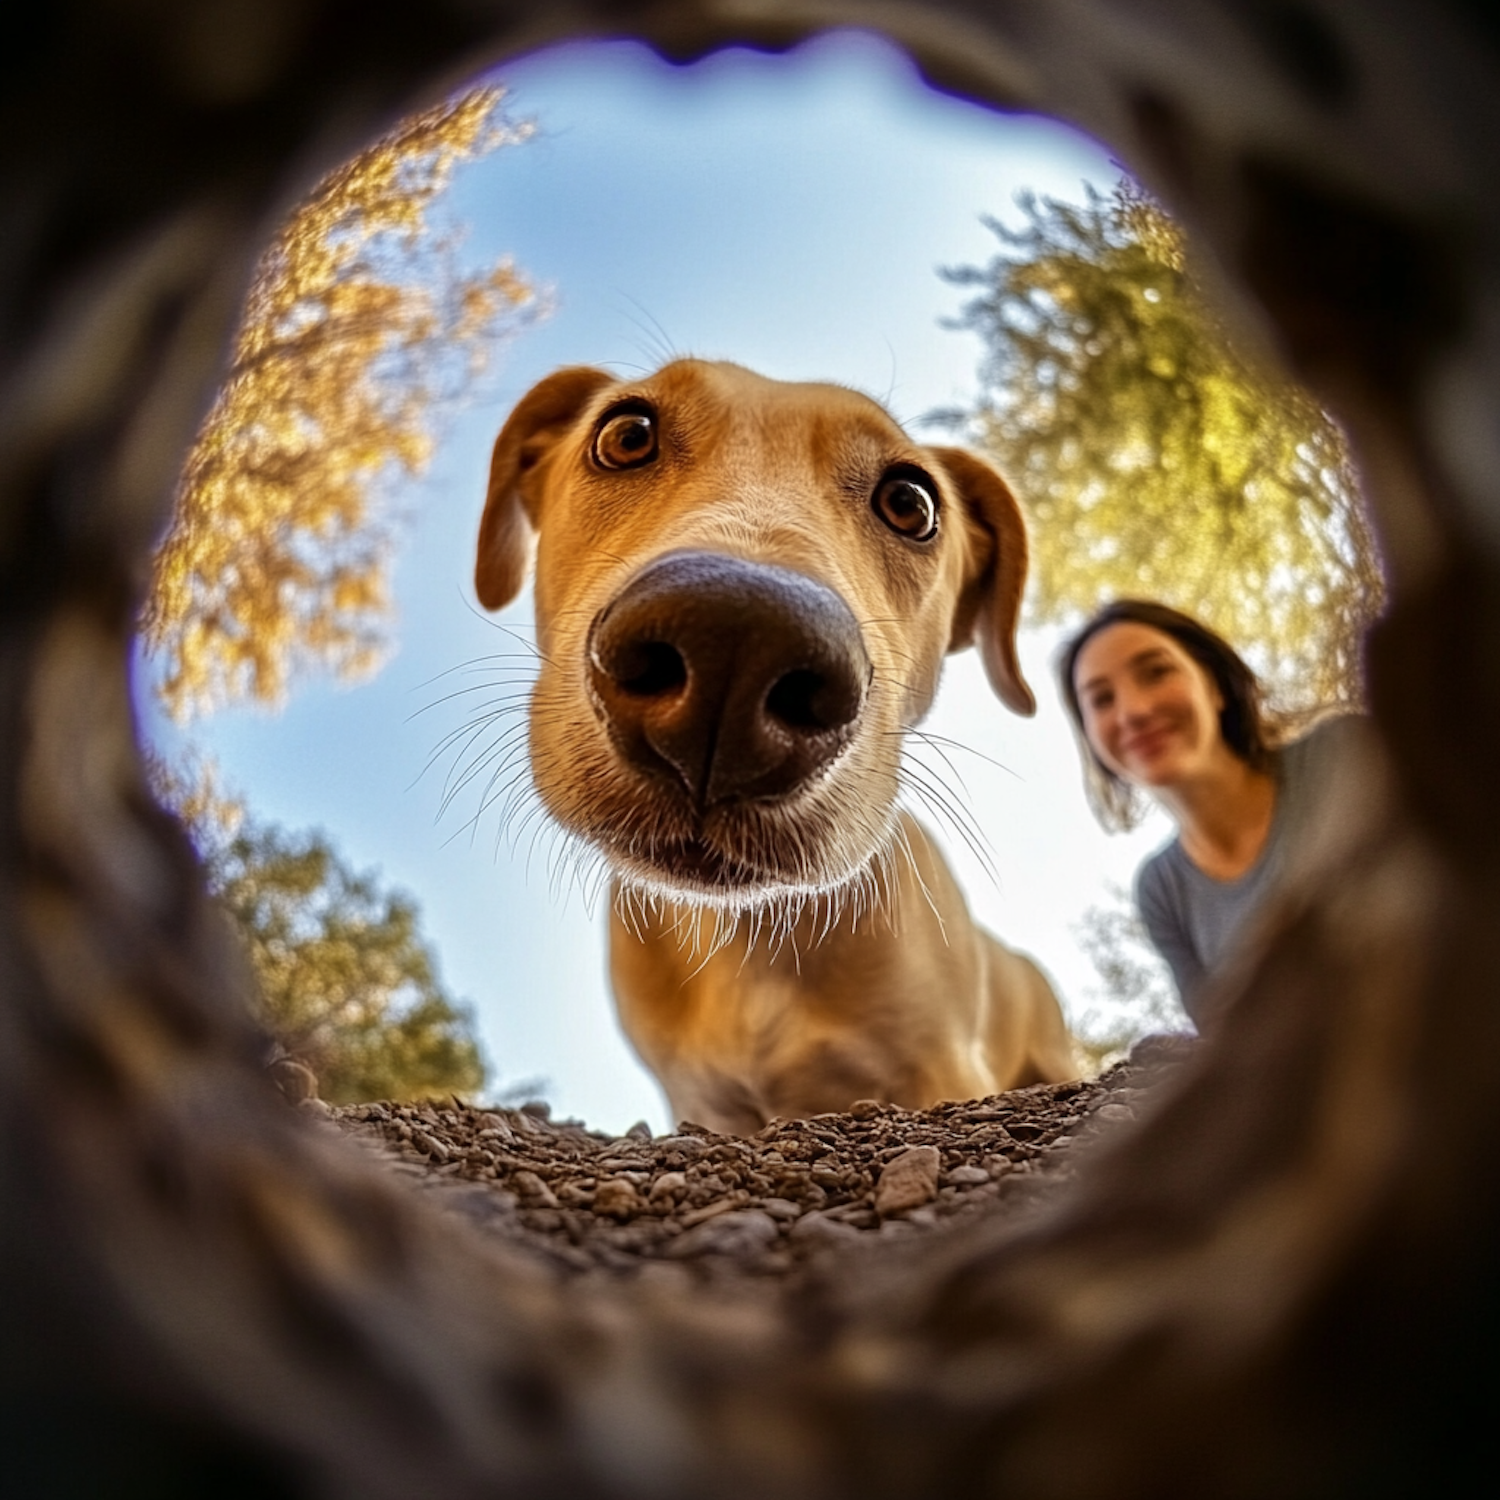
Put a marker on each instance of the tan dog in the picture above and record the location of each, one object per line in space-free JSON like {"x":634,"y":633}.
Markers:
{"x":744,"y":593}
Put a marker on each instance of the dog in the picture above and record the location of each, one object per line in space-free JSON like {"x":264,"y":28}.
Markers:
{"x":745,"y":589}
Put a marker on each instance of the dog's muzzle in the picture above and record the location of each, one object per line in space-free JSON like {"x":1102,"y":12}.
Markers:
{"x":733,"y":680}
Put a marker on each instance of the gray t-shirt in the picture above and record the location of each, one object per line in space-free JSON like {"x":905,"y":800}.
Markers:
{"x":1192,"y":918}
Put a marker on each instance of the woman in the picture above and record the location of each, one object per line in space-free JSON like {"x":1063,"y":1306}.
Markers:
{"x":1168,"y":709}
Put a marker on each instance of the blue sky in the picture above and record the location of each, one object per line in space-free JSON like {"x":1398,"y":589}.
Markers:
{"x":789,"y":213}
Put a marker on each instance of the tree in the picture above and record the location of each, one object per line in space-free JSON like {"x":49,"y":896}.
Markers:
{"x":1136,"y":996}
{"x":345,"y":981}
{"x":360,"y":326}
{"x":1155,"y":457}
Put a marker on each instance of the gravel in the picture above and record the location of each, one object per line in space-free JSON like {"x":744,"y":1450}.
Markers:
{"x":580,"y":1201}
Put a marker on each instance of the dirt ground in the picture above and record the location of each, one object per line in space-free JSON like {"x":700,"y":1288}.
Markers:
{"x":771,"y":1205}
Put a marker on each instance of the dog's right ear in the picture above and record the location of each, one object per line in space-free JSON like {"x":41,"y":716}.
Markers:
{"x":510,"y":518}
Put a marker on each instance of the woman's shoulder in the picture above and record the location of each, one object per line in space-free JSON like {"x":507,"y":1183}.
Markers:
{"x":1329,"y":739}
{"x":1161,"y":872}
{"x":1312,"y":766}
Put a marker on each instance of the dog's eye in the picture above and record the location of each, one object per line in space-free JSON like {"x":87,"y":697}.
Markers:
{"x":908,"y":504}
{"x":625,"y":439}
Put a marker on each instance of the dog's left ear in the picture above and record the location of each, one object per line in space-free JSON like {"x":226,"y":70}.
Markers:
{"x":543,"y":415}
{"x":989,"y":608}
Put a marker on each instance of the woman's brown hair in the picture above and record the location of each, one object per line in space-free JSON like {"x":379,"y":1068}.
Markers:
{"x":1248,"y":729}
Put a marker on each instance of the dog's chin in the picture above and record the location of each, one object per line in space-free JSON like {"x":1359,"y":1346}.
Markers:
{"x":694,"y":872}
{"x":741,"y":858}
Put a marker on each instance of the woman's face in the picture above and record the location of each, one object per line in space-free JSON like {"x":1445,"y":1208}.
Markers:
{"x":1150,"y":712}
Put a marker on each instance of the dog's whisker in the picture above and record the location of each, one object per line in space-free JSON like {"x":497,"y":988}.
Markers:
{"x":959,"y":813}
{"x":942,"y":808}
{"x":916,"y":872}
{"x":476,"y":663}
{"x":938,"y":796}
{"x":512,"y":795}
{"x":662,"y":344}
{"x":938,"y":750}
{"x":928,"y":737}
{"x":511,"y":630}
{"x":442,"y":750}
{"x":541,"y":824}
{"x":496,"y":760}
{"x":460,"y":742}
{"x":517,"y":692}
{"x":466,"y":733}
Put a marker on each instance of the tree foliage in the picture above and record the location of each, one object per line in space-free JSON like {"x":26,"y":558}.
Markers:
{"x":1135,"y":996}
{"x":1154,"y":457}
{"x":345,"y":981}
{"x":360,"y":326}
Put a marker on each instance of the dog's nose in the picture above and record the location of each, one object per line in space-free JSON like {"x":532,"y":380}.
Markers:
{"x":740,"y":679}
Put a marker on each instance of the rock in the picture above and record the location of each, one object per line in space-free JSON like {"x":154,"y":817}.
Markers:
{"x":640,"y":1131}
{"x":688,"y":1145}
{"x":668,"y":1185}
{"x":537,"y":1109}
{"x":968,"y":1176}
{"x":709,"y":1211}
{"x":428,"y":1146}
{"x":865,"y":1109}
{"x":294,"y":1079}
{"x":1162,"y":1050}
{"x":742,"y":1233}
{"x":813,"y":1180}
{"x":816,"y":1228}
{"x":907,"y":1181}
{"x":617,"y":1198}
{"x":780,"y":1208}
{"x":533,"y":1192}
{"x":1117,"y":1114}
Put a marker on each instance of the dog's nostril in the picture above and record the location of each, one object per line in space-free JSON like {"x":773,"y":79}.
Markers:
{"x":648,"y":669}
{"x":808,"y":700}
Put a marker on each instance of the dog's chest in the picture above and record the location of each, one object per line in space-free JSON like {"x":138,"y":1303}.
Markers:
{"x":747,"y":1033}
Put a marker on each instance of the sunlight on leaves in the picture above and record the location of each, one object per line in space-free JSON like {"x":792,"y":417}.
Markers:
{"x":1154,"y":458}
{"x":345,"y":980}
{"x":360,"y":329}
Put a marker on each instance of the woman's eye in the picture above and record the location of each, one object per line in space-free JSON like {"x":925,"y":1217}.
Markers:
{"x":908,"y":505}
{"x":625,"y":440}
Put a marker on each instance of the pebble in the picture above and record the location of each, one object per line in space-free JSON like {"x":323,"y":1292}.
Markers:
{"x":817,"y":1228}
{"x":780,"y":1208}
{"x":967,"y":1176}
{"x":532,"y":1189}
{"x":740,"y":1233}
{"x":699,"y":1203}
{"x":907,"y":1181}
{"x":618,"y":1198}
{"x":668,"y":1185}
{"x":698,"y":1215}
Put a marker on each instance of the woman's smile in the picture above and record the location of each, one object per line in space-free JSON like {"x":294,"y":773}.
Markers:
{"x":1149,"y":710}
{"x":1148,"y":744}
